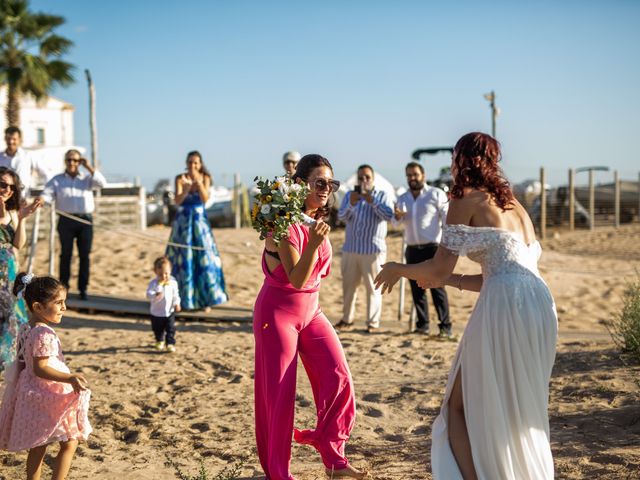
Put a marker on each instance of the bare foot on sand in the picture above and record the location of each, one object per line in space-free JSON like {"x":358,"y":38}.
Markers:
{"x":348,"y":472}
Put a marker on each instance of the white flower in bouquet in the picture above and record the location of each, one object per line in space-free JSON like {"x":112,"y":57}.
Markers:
{"x":279,"y":204}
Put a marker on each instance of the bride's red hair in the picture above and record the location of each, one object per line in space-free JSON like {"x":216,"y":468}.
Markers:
{"x":476,"y":157}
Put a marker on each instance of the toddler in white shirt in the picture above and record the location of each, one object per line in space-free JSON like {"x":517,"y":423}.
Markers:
{"x":164,"y":298}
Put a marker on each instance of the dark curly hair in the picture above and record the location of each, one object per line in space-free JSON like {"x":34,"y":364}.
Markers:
{"x":303,"y":170}
{"x":475,"y":158}
{"x":40,"y":289}
{"x":16,"y":199}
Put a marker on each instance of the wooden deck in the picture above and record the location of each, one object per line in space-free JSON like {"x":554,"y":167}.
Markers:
{"x":140,"y":308}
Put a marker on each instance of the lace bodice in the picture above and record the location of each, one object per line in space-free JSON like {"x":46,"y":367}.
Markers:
{"x":498,"y":251}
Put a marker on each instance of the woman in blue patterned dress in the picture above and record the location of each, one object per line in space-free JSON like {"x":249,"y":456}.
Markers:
{"x":13,"y":236}
{"x":198,"y":270}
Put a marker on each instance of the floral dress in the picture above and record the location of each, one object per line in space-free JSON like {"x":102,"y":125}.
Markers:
{"x":13,"y":313}
{"x":36,"y":411}
{"x":197,"y":270}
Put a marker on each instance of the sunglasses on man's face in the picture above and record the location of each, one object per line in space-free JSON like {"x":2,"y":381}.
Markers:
{"x":4,"y":185}
{"x":321,"y":184}
{"x":73,"y":160}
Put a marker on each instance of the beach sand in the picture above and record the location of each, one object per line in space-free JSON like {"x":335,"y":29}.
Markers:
{"x":197,"y":405}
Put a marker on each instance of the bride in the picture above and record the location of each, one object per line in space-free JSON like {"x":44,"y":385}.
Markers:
{"x":493,"y":423}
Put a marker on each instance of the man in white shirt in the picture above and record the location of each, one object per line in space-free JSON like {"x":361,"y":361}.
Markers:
{"x":18,"y":159}
{"x":423,"y":212}
{"x":73,"y":194}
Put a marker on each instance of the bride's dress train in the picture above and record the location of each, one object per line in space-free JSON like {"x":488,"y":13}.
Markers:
{"x":505,"y":359}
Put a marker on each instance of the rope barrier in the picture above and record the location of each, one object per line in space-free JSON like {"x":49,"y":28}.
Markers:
{"x":147,"y":237}
{"x":143,"y":236}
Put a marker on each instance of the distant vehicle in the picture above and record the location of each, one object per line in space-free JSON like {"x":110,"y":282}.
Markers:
{"x":161,"y":207}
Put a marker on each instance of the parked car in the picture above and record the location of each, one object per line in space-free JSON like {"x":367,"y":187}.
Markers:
{"x":161,"y":207}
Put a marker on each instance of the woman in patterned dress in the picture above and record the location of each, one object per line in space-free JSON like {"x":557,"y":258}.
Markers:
{"x":13,"y":236}
{"x":192,"y":249}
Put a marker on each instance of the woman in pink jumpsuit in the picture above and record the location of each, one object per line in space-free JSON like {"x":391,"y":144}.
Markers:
{"x":288,"y":322}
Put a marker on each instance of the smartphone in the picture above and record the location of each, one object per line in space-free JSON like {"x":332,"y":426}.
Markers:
{"x":356,"y":189}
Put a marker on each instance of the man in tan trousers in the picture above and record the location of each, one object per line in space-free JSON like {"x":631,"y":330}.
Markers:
{"x":365,"y":211}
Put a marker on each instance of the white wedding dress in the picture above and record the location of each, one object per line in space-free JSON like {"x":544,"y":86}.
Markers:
{"x":505,"y":357}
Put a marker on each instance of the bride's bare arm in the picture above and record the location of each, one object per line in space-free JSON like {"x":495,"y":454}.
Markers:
{"x":440,"y":267}
{"x":472,"y":283}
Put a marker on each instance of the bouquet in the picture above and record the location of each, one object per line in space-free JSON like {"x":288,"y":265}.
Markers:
{"x":278,"y":205}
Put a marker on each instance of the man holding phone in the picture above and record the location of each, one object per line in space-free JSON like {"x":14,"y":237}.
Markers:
{"x":73,"y":194}
{"x":365,"y":211}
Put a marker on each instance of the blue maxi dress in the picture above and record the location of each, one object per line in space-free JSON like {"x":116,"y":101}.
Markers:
{"x":197,"y":270}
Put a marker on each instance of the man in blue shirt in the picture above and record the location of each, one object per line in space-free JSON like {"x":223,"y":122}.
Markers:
{"x":365,"y":211}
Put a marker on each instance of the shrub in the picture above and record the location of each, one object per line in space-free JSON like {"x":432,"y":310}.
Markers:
{"x":625,"y":328}
{"x":227,"y":473}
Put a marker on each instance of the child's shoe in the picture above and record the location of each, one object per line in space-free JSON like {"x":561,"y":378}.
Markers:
{"x":171,"y":348}
{"x":160,"y":346}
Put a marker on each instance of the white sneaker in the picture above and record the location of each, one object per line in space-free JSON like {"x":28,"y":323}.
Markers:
{"x":160,"y":346}
{"x":171,"y":348}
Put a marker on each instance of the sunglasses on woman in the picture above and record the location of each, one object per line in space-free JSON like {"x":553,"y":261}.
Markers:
{"x":5,"y":185}
{"x":321,"y":184}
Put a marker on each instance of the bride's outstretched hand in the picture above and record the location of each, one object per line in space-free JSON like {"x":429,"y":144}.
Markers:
{"x":388,"y":276}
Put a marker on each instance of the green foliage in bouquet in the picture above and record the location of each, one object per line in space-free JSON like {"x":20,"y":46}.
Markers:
{"x":278,"y":205}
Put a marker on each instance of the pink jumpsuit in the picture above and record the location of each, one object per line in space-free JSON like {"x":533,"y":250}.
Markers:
{"x":287,"y":322}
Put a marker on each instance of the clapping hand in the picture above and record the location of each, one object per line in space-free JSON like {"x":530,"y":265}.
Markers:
{"x":186,"y":181}
{"x":398,"y":212}
{"x":78,"y":382}
{"x":27,"y":209}
{"x":388,"y":277}
{"x":318,"y":232}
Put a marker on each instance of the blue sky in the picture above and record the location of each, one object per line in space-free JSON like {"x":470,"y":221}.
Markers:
{"x":358,"y":81}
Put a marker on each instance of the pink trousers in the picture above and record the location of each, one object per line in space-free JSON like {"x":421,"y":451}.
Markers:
{"x":287,"y":323}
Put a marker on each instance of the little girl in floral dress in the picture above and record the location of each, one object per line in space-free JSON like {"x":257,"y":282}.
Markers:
{"x":43,"y":402}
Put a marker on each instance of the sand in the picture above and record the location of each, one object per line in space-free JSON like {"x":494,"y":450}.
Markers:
{"x":196,"y":405}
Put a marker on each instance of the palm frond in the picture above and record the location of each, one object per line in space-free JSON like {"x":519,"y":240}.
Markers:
{"x":55,"y":45}
{"x":31,"y":51}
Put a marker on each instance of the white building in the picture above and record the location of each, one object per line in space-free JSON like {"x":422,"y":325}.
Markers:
{"x":47,"y":130}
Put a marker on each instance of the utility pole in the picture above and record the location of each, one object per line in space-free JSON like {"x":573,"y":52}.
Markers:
{"x":495,"y":111}
{"x":92,"y":121}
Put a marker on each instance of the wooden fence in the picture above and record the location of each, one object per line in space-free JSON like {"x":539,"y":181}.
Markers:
{"x":589,"y":206}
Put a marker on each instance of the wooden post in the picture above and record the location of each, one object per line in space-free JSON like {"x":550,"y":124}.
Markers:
{"x":401,"y":286}
{"x":616,"y":199}
{"x":592,"y":201}
{"x":236,"y":200}
{"x":92,"y":121}
{"x":142,"y":201}
{"x":543,"y":205}
{"x":34,"y":240}
{"x":52,"y":238}
{"x":572,"y":200}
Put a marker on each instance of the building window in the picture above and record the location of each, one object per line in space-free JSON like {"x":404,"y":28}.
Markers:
{"x":40,"y":136}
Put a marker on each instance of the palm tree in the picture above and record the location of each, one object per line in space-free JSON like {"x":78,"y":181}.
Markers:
{"x":30,"y":54}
